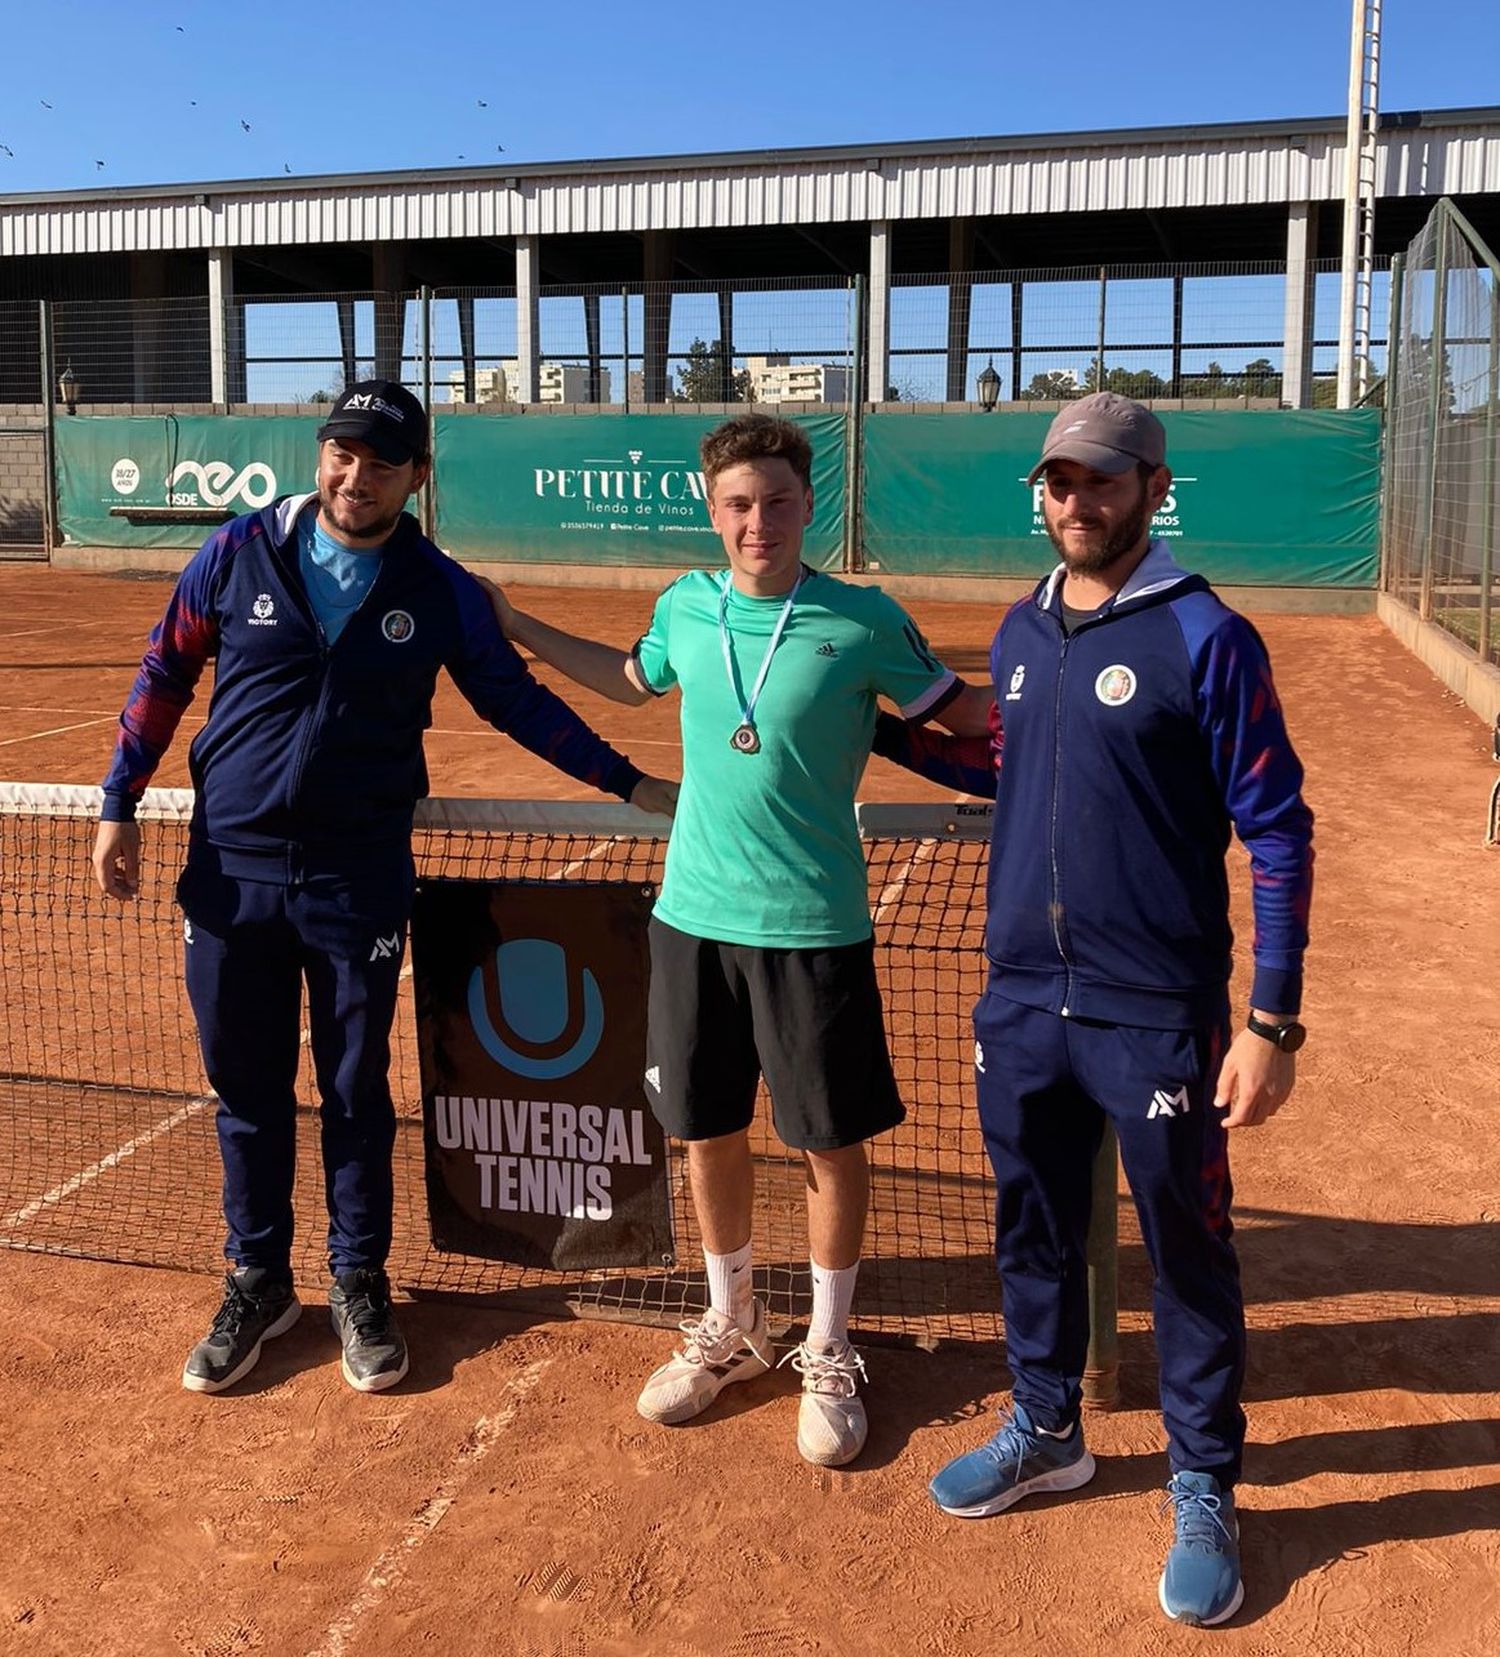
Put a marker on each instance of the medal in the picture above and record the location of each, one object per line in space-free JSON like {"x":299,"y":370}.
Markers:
{"x":745,"y":739}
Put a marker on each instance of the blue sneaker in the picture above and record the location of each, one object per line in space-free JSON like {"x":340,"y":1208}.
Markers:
{"x":1201,"y":1583}
{"x":1018,"y":1461}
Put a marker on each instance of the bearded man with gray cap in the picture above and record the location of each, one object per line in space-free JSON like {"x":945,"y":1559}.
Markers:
{"x":1138,"y":723}
{"x":329,"y":615}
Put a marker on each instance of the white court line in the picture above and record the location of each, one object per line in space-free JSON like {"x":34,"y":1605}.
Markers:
{"x":60,"y":627}
{"x":58,"y":730}
{"x":47,"y":707}
{"x":578,"y":862}
{"x":892,"y":893}
{"x":388,"y":1570}
{"x":49,"y":1199}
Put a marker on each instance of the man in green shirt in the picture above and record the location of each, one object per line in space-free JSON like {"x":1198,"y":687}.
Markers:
{"x":762,"y":954}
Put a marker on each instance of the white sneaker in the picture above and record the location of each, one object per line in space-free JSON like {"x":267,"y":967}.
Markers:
{"x":715,"y":1353}
{"x":831,"y":1422}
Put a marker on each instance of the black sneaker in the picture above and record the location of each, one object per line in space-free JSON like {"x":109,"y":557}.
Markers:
{"x":365,"y":1321}
{"x":258,"y":1303}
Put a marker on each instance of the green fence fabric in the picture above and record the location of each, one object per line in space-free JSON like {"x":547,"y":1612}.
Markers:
{"x":1287,"y":498}
{"x":604,"y":489}
{"x":1268,"y":498}
{"x":234,"y":462}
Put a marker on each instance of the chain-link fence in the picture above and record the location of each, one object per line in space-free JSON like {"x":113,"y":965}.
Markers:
{"x":784,"y":340}
{"x":1443,"y":433}
{"x":1204,"y":332}
{"x":1208,"y":332}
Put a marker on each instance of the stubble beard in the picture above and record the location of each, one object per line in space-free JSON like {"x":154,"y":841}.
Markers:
{"x":332,"y":508}
{"x":1122,"y":540}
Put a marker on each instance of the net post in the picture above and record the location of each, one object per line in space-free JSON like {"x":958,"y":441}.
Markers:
{"x":1101,"y":1366}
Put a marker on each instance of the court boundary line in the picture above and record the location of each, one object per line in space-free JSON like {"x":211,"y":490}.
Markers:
{"x":58,"y":730}
{"x":86,"y":1176}
{"x":388,"y":1570}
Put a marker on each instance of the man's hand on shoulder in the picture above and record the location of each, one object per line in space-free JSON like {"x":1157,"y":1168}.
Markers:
{"x":117,"y":860}
{"x":656,"y":795}
{"x":505,"y":611}
{"x":1255,"y":1081}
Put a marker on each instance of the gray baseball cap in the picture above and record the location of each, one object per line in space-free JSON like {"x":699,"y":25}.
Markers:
{"x":1107,"y":432}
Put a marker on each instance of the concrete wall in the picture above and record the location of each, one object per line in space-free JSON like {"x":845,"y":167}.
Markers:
{"x":23,"y":477}
{"x":1451,"y":660}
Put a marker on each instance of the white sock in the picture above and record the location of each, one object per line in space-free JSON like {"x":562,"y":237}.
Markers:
{"x":731,"y":1289}
{"x":832,"y":1296}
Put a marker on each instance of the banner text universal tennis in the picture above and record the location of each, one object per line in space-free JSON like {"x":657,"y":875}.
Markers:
{"x":542,"y":1156}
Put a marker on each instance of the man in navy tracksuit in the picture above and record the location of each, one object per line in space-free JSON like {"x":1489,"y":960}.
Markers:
{"x":329,"y":615}
{"x":1139,"y":722}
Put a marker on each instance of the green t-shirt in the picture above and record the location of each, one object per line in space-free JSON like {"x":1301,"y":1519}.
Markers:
{"x":765,"y":848}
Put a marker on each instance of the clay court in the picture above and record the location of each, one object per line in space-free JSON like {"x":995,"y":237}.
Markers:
{"x":508,"y":1499}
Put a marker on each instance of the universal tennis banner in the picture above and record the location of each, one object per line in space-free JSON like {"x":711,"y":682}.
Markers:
{"x":531,"y":1034}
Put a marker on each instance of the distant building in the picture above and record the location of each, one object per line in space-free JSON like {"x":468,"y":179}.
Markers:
{"x":558,"y":382}
{"x":775,"y":378}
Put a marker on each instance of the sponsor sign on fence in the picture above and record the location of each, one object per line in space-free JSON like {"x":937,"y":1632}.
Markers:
{"x":605,"y":489}
{"x":1259,"y":498}
{"x":1288,"y":498}
{"x":212,"y":462}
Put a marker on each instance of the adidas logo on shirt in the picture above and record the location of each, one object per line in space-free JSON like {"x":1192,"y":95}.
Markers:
{"x":826,"y":648}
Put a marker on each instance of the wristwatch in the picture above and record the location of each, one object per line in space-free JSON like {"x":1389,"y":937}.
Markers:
{"x":1288,"y":1037}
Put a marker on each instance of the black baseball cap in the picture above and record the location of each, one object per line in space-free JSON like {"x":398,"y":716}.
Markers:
{"x":383,"y":414}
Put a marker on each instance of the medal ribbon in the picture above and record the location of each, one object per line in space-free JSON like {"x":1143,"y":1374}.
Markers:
{"x":747,"y":709}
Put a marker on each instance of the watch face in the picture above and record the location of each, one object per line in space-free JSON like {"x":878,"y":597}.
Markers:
{"x":1291,"y":1037}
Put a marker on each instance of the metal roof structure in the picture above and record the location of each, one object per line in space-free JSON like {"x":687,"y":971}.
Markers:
{"x":1424,"y":155}
{"x":1046,"y":208}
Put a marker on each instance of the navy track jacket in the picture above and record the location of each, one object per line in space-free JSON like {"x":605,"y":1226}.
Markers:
{"x":311,"y":758}
{"x":1125,"y":754}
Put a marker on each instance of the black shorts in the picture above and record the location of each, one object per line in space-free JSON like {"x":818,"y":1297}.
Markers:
{"x":721,"y":1015}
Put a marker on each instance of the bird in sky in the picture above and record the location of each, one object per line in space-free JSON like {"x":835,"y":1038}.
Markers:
{"x":286,"y":166}
{"x":99,"y":164}
{"x":245,"y":125}
{"x":482,"y":104}
{"x":501,"y":148}
{"x":43,"y":102}
{"x":8,"y":150}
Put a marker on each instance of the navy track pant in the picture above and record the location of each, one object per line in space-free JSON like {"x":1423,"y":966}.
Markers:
{"x":249,"y":946}
{"x":1045,"y":1084}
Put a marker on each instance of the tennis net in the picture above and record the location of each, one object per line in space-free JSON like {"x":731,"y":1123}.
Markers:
{"x":107,"y":1146}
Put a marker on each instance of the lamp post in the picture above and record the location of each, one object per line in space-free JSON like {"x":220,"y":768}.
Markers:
{"x":989,"y":387}
{"x":67,"y":389}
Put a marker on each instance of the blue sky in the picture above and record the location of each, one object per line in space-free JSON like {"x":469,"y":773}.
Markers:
{"x":157,"y":92}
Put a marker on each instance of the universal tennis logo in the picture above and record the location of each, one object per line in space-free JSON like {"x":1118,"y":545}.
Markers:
{"x":545,"y":1031}
{"x":542,"y":1021}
